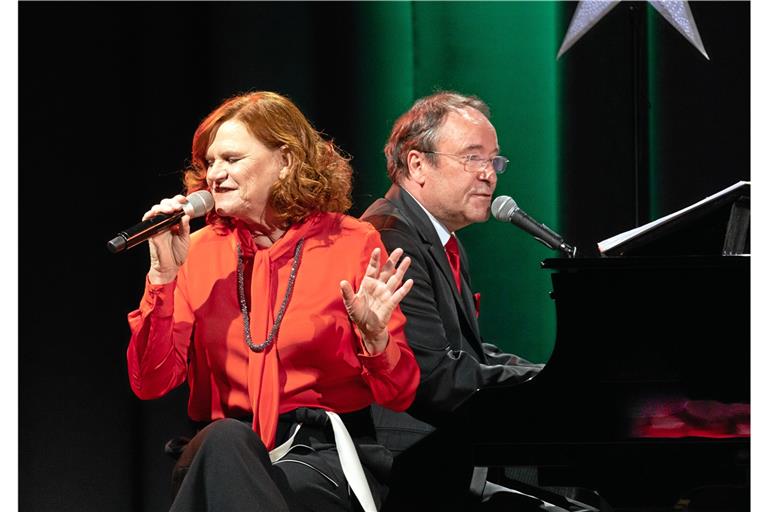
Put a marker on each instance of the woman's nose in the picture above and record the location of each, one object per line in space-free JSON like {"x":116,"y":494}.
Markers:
{"x":216,"y":171}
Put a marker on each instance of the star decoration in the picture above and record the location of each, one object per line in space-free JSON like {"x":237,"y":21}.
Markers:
{"x":589,"y":12}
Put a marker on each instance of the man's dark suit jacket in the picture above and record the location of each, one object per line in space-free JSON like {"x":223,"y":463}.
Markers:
{"x":441,"y":327}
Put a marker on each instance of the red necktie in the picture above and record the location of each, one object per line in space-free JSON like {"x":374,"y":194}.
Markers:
{"x":452,"y":251}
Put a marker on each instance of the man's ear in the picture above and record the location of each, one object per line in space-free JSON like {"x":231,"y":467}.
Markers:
{"x":287,"y":158}
{"x":416,"y":162}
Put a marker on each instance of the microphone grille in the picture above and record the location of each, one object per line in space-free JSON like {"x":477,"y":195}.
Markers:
{"x":503,"y":207}
{"x":201,"y":202}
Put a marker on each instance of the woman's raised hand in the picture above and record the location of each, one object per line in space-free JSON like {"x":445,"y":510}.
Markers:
{"x":370,"y":308}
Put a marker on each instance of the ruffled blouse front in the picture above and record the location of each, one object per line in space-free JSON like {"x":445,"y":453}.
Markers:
{"x":193,"y":329}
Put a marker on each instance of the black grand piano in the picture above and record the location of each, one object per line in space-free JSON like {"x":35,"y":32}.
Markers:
{"x":645,"y":398}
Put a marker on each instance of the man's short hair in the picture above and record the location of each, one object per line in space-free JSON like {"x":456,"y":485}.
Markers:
{"x":419,"y":128}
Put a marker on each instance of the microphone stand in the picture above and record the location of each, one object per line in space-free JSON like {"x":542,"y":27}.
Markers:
{"x":569,"y":250}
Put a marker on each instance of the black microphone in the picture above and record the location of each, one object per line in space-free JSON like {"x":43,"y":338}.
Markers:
{"x":505,"y":209}
{"x":199,"y":203}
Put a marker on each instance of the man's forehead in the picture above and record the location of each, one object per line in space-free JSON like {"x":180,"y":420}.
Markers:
{"x":465,"y":129}
{"x":469,"y":114}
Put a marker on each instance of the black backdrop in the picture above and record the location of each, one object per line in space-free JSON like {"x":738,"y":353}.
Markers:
{"x":109,"y":95}
{"x":690,"y":136}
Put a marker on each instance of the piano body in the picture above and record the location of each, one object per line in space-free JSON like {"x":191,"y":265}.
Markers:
{"x":645,"y":398}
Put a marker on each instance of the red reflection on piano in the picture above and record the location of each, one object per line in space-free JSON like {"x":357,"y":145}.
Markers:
{"x":690,"y":418}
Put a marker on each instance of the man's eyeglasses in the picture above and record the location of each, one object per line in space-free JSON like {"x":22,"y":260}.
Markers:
{"x":477,"y":164}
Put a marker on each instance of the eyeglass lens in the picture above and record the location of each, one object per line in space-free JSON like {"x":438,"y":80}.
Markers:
{"x":499,"y":163}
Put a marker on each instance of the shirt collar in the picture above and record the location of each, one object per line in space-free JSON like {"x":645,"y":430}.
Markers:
{"x":442,"y":231}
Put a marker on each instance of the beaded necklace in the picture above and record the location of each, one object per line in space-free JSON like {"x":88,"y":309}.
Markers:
{"x":283,"y":306}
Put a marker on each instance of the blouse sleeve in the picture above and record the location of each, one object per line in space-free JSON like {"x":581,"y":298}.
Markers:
{"x":160,"y":335}
{"x":392,"y":375}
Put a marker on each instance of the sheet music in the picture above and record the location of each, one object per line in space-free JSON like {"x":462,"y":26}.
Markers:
{"x":610,"y":243}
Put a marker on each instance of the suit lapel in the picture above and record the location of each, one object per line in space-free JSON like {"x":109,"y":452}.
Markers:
{"x":429,"y":237}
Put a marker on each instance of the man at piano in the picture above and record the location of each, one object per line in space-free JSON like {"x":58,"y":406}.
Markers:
{"x":443,"y":160}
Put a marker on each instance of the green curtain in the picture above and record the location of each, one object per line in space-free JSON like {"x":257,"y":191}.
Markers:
{"x":503,"y":52}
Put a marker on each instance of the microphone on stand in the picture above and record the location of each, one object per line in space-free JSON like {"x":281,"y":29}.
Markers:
{"x":199,"y":203}
{"x":505,"y":209}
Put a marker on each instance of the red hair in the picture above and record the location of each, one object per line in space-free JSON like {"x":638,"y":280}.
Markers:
{"x":320,"y":177}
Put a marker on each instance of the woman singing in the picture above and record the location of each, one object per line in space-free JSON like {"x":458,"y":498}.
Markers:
{"x":282,"y":316}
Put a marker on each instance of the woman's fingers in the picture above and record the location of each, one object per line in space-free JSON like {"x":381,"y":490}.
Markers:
{"x":347,"y":293}
{"x":394,"y":281}
{"x":167,"y":206}
{"x":391,"y":265}
{"x":401,"y":292}
{"x":373,"y":264}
